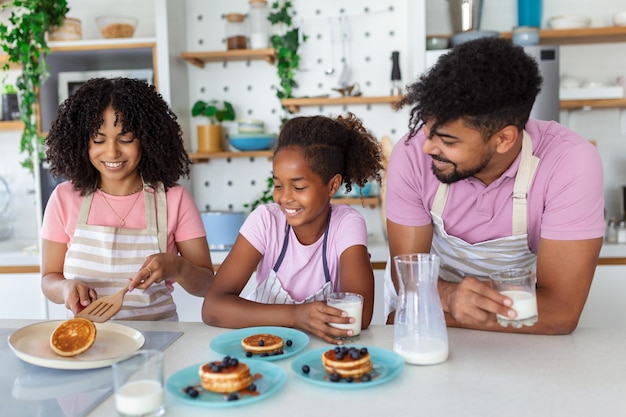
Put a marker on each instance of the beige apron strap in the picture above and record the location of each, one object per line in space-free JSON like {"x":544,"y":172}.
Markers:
{"x":161,"y":217}
{"x":440,"y":199}
{"x":525,"y":173}
{"x":84,"y":209}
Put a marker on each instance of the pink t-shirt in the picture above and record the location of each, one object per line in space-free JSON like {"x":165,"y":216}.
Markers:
{"x":302,"y":272}
{"x":565,"y":202}
{"x":59,"y":222}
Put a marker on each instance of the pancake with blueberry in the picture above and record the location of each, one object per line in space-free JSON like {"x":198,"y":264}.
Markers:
{"x":347,"y":362}
{"x":263,"y":344}
{"x":73,"y":337}
{"x":225,"y":376}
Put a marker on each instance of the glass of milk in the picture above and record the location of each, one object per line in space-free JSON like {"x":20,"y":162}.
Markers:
{"x":352,"y":304}
{"x":519,"y":284}
{"x":138,"y":383}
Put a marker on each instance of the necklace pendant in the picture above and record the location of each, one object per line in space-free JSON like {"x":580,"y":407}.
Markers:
{"x":122,"y":222}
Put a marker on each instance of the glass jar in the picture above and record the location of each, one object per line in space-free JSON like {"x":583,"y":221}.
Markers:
{"x":236,"y":33}
{"x":611,"y":232}
{"x":259,"y":25}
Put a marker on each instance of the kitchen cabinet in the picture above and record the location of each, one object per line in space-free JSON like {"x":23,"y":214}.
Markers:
{"x":21,"y":296}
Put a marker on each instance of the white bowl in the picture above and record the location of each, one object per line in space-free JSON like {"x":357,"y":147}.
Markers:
{"x":569,"y":22}
{"x":619,"y":18}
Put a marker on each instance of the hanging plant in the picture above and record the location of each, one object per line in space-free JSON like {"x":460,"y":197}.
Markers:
{"x":286,"y":45}
{"x":23,"y":38}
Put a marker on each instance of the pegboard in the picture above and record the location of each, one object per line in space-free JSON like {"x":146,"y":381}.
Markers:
{"x":373,"y":29}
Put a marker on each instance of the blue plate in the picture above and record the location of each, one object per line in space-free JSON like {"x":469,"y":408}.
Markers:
{"x":386,"y":365}
{"x":272,"y":379}
{"x":252,"y":141}
{"x":230,"y":343}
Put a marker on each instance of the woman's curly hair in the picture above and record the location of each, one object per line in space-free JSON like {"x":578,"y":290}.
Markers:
{"x":140,"y":109}
{"x":335,"y":146}
{"x":488,"y":82}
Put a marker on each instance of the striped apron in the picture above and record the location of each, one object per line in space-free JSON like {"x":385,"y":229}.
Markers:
{"x":105,"y":257}
{"x":271,"y":290}
{"x":459,"y":258}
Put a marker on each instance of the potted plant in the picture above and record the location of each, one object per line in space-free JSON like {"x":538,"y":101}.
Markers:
{"x":23,"y":39}
{"x":210,"y":136}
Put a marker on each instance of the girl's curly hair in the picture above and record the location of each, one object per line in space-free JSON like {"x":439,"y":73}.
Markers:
{"x":335,"y":146}
{"x":487,"y":82}
{"x":140,"y":109}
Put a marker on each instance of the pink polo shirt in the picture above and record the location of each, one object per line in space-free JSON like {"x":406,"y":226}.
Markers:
{"x":183,"y":218}
{"x":565,"y":202}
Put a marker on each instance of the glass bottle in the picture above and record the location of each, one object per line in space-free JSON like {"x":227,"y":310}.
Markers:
{"x":621,"y":232}
{"x":259,"y":25}
{"x":611,"y":231}
{"x":236,"y":33}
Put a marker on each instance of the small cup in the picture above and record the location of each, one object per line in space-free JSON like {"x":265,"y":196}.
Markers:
{"x":519,"y":285}
{"x":352,"y":304}
{"x":138,"y":383}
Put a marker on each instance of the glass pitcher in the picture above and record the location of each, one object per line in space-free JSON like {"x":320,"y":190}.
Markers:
{"x":420,"y":335}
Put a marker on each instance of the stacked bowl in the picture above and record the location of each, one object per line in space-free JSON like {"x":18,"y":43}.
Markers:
{"x":251,"y":136}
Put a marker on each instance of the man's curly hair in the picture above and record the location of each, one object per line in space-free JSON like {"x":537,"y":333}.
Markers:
{"x":333,"y":146}
{"x":140,"y":109}
{"x":487,"y":82}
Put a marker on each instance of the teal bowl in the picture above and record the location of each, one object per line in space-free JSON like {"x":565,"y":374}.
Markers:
{"x":252,"y":141}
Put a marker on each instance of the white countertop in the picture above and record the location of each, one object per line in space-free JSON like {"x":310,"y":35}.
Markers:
{"x":487,"y":374}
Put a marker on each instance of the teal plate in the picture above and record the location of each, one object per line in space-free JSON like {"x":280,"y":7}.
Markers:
{"x":272,"y":379}
{"x":386,"y":366}
{"x":230,"y":343}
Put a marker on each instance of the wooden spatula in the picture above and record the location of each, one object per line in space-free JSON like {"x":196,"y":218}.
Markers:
{"x":104,"y":308}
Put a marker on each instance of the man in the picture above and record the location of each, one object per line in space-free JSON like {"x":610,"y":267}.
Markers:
{"x":478,"y":183}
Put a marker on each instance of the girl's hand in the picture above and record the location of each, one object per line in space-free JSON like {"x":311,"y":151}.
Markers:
{"x":316,"y":318}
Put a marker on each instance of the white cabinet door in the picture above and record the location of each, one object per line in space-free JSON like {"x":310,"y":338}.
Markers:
{"x":21,"y":297}
{"x":605,"y":305}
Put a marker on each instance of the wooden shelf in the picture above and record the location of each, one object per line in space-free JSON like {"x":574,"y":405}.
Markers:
{"x":200,"y":58}
{"x":101,"y":44}
{"x":11,"y":125}
{"x":603,"y":103}
{"x":579,"y":36}
{"x":206,"y":156}
{"x":372,"y":202}
{"x":294,"y":104}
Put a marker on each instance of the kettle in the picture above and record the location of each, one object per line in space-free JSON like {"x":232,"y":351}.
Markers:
{"x":420,"y":335}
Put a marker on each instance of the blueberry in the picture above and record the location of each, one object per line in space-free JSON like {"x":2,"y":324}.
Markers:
{"x":363,"y":350}
{"x":306,"y":369}
{"x":366,"y":378}
{"x":264,"y":354}
{"x":248,"y":354}
{"x":349,"y":379}
{"x":289,"y":342}
{"x":216,"y":368}
{"x":233,"y":362}
{"x":355,"y":354}
{"x":252,"y":387}
{"x":261,"y":342}
{"x":232,"y":397}
{"x":334,"y":377}
{"x":193,"y":393}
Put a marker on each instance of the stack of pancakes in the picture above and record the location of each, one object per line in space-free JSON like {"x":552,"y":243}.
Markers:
{"x":225,"y":376}
{"x":347,"y":362}
{"x":73,"y":337}
{"x":263,"y":344}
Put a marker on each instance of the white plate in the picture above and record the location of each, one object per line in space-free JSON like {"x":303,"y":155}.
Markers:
{"x":32,"y":344}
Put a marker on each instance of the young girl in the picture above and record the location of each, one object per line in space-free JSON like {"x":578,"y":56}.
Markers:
{"x":301,"y":246}
{"x":121,"y":218}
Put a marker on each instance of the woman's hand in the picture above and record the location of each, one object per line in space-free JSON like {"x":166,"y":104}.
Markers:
{"x":316,"y":318}
{"x":155,"y":268}
{"x":77,"y":295}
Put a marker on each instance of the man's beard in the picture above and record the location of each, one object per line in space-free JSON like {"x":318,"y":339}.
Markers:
{"x":458,"y":175}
